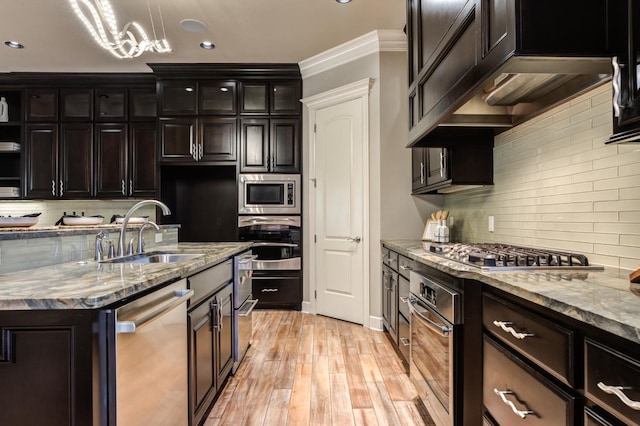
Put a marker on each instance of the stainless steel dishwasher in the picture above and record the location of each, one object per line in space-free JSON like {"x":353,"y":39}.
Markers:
{"x":145,"y":367}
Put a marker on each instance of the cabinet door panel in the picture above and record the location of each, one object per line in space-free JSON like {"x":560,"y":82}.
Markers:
{"x":218,"y":98}
{"x":436,"y":166}
{"x":418,"y":168}
{"x":41,"y":160}
{"x":277,"y":291}
{"x":224,"y":352}
{"x":178,"y":139}
{"x":178,"y":98}
{"x":76,"y":160}
{"x":111,"y":156}
{"x":254,"y":150}
{"x":142,"y":104}
{"x":440,"y":24}
{"x":51,"y":372}
{"x":42,"y":105}
{"x":76,"y":104}
{"x":202,"y":355}
{"x":254,"y":99}
{"x":218,"y":138}
{"x":142,"y":159}
{"x":285,"y":98}
{"x":284,"y":146}
{"x":111,"y":105}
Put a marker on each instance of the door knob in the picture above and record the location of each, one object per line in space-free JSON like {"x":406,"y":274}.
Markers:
{"x":355,"y":239}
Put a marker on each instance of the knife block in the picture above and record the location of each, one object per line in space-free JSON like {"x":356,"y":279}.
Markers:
{"x":634,"y":277}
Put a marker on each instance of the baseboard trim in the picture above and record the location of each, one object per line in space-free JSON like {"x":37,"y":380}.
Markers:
{"x":307,"y":308}
{"x":375,"y":323}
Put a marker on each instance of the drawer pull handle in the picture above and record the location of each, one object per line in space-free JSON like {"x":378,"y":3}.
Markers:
{"x":404,"y":299}
{"x":617,"y":391}
{"x":269,"y":290}
{"x":406,"y":268}
{"x":521,"y":413}
{"x":505,"y":325}
{"x":405,"y":341}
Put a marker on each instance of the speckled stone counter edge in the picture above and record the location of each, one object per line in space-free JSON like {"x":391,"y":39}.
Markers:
{"x":602,"y":299}
{"x":92,"y":285}
{"x":21,"y":233}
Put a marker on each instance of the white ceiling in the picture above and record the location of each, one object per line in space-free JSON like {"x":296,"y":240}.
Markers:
{"x":258,"y":31}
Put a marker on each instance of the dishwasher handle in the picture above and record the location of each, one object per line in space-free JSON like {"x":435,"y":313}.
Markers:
{"x":179,"y":297}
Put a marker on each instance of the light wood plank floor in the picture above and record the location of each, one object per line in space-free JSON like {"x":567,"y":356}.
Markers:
{"x":307,"y":369}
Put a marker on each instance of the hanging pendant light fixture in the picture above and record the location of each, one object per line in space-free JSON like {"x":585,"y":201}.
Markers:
{"x":130,"y":42}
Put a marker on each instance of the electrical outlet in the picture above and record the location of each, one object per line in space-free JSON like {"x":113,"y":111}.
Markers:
{"x":491,"y":224}
{"x":158,"y":237}
{"x":451,"y":221}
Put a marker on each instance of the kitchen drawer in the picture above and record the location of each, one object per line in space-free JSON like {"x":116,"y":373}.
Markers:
{"x":277,"y":291}
{"x":403,"y":295}
{"x":612,"y":380}
{"x":591,"y":418}
{"x":523,"y":389}
{"x":390,"y":258}
{"x":405,"y":265}
{"x":403,"y":336}
{"x":209,"y":281}
{"x":547,"y":344}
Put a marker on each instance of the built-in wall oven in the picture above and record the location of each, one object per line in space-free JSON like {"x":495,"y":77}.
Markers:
{"x":435,"y":315}
{"x":269,"y":193}
{"x":277,"y":267}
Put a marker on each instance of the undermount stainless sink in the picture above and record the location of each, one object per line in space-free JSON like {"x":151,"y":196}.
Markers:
{"x":154,"y":258}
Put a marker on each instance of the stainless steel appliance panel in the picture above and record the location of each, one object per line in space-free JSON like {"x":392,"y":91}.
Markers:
{"x":243,"y":306}
{"x":269,"y":193}
{"x":151,"y":384}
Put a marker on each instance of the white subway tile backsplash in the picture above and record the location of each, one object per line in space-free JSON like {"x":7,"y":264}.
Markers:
{"x":557,"y":185}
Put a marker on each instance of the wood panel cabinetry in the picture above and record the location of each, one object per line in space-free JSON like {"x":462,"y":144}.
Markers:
{"x":461,"y":50}
{"x":11,"y":146}
{"x":189,"y":140}
{"x":210,"y":338}
{"x":46,"y":359}
{"x":270,"y":145}
{"x":625,"y":19}
{"x":59,"y":160}
{"x":460,"y":165}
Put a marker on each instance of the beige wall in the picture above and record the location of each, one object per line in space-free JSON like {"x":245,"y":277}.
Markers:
{"x":557,"y":185}
{"x":393,"y":212}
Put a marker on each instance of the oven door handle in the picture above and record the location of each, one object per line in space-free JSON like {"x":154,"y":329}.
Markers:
{"x":247,"y":259}
{"x":443,"y":329}
{"x":274,"y":245}
{"x":245,"y":312}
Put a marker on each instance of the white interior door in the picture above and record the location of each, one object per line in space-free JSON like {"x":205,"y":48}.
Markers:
{"x":339,"y":209}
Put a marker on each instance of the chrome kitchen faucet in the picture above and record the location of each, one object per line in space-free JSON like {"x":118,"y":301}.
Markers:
{"x":165,"y":211}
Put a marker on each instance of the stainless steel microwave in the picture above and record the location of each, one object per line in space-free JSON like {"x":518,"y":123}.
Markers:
{"x":269,"y":193}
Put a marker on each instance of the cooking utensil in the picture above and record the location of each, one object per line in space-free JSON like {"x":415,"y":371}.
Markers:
{"x":24,"y":221}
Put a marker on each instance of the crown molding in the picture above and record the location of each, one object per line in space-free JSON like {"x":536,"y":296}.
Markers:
{"x":373,"y":42}
{"x":339,"y":95}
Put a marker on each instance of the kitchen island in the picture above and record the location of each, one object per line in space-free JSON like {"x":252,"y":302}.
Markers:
{"x":52,"y":346}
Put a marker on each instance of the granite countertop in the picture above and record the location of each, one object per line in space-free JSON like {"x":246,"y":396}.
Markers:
{"x":90,"y":285}
{"x":604,"y":299}
{"x":20,"y":233}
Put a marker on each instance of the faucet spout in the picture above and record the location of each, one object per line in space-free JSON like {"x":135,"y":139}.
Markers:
{"x":165,"y":211}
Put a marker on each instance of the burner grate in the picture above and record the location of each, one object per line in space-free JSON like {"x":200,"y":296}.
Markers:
{"x":504,"y":256}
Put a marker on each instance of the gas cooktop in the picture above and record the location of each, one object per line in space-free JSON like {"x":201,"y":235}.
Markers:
{"x":505,"y":257}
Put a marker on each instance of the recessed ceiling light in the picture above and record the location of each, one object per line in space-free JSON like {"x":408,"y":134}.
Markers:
{"x":14,"y":44}
{"x":343,"y":1}
{"x":188,"y":89}
{"x":207,"y":45}
{"x":193,"y":25}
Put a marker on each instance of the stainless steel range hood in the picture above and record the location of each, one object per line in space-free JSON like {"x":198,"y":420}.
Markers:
{"x":525,"y":87}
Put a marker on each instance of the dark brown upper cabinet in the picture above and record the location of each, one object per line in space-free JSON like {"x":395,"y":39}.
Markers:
{"x":76,"y":105}
{"x":41,"y":104}
{"x":269,"y":145}
{"x":59,"y":163}
{"x":111,"y":105}
{"x":217,"y":98}
{"x":143,"y":104}
{"x":178,"y":97}
{"x":625,"y":18}
{"x":191,"y":140}
{"x":254,"y":98}
{"x":279,"y":98}
{"x":125,"y":160}
{"x":497,"y":63}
